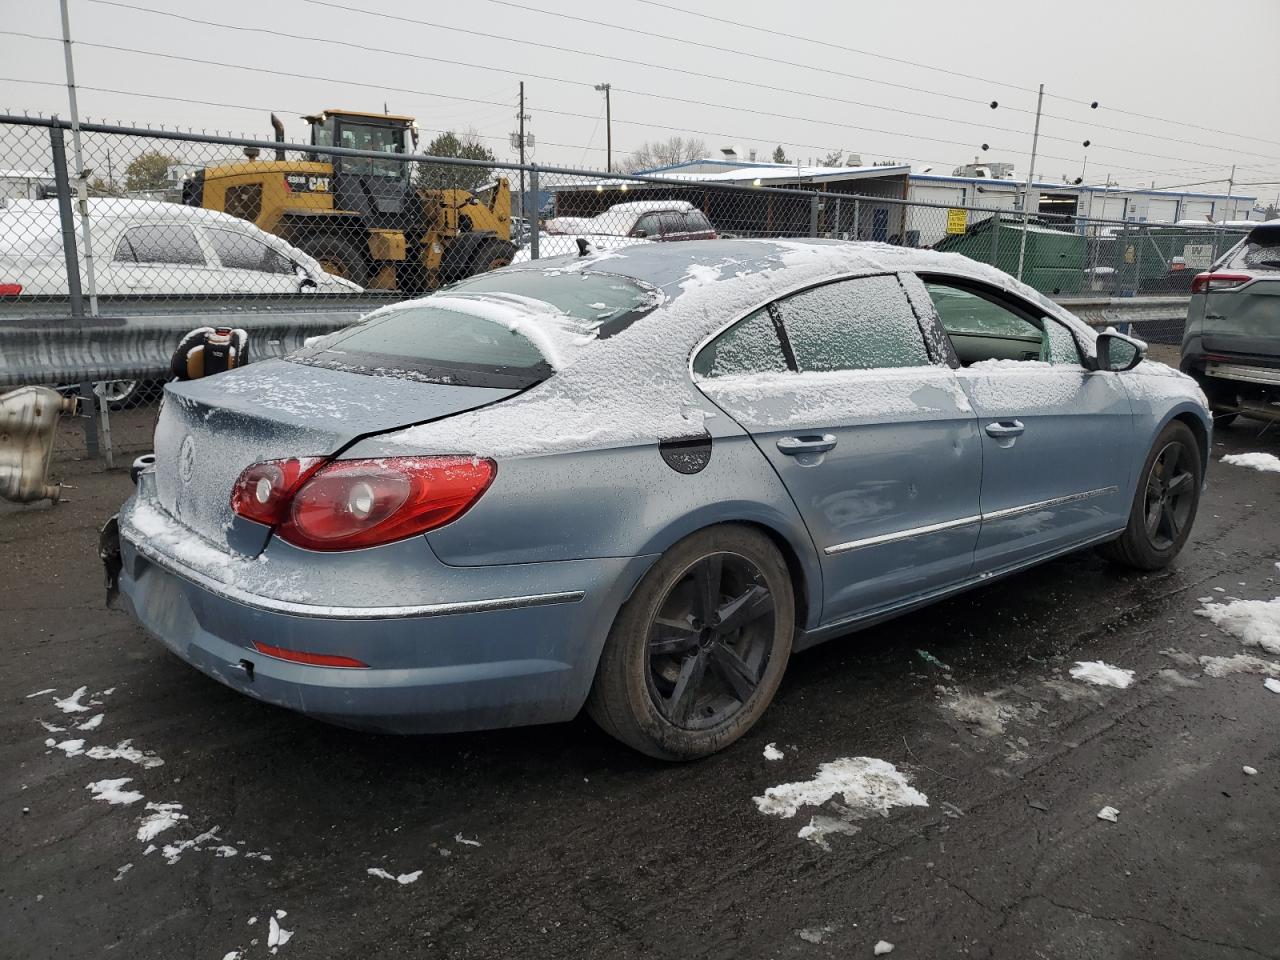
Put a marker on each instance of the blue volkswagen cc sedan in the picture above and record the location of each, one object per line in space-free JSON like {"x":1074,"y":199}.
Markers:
{"x":638,"y":481}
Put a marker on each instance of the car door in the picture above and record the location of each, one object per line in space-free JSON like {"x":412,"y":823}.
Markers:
{"x":869,"y":431}
{"x":249,"y":264}
{"x":162,"y":258}
{"x":1057,"y":437}
{"x":648,"y":227}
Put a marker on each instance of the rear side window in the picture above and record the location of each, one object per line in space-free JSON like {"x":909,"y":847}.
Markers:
{"x":159,"y":243}
{"x":750,"y":346}
{"x":1260,"y":251}
{"x":858,"y":324}
{"x":698,"y":222}
{"x":604,"y":302}
{"x":673,"y":223}
{"x":238,"y":251}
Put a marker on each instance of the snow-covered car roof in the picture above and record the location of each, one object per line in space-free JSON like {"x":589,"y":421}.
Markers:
{"x":31,"y":228}
{"x":559,"y":245}
{"x":636,"y":385}
{"x":618,"y":219}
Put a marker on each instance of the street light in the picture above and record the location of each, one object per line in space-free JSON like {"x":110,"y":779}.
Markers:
{"x":608,"y":126}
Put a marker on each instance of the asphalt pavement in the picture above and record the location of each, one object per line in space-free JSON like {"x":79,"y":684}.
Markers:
{"x":558,"y":842}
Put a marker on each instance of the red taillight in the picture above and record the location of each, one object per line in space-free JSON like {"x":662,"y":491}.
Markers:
{"x":310,"y":659}
{"x":348,"y":504}
{"x":1210,"y":282}
{"x":263,"y":490}
{"x":10,"y":289}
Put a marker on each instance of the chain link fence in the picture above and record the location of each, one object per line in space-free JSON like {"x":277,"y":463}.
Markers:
{"x":289,"y":239}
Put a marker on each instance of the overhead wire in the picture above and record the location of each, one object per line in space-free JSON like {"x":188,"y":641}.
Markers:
{"x":686,"y":100}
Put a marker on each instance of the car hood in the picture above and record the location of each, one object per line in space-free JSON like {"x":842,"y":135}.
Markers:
{"x":210,"y":429}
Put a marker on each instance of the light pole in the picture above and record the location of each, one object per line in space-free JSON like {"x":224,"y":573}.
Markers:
{"x":81,"y":190}
{"x":608,"y":127}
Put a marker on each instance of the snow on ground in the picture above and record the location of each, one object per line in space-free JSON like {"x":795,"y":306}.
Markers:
{"x":1272,"y":684}
{"x":72,"y":748}
{"x":1256,"y":622}
{"x":72,"y":703}
{"x":771,"y":752}
{"x":162,"y":817}
{"x":866,"y":785}
{"x":278,"y":936}
{"x":459,"y":838}
{"x":121,"y":871}
{"x":402,"y":879}
{"x":985,"y":711}
{"x":1240,"y":663}
{"x":112,"y":791}
{"x":1266,"y":462}
{"x":41,"y":693}
{"x":1102,"y":674}
{"x":93,"y":723}
{"x":125,"y":751}
{"x":821,"y":826}
{"x":1109,"y":813}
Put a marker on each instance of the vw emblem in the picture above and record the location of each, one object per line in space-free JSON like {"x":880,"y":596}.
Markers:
{"x":187,"y":459}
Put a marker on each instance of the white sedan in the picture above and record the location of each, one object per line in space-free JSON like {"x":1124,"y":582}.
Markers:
{"x":151,"y":248}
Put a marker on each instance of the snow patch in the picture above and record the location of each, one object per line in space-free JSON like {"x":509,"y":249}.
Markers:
{"x":112,"y":791}
{"x":866,"y":784}
{"x":821,"y":826}
{"x":1249,"y":771}
{"x":124,"y":750}
{"x":1256,"y":622}
{"x":72,"y":703}
{"x":771,"y":752}
{"x":1266,"y":462}
{"x":403,"y":879}
{"x":121,"y":871}
{"x":1240,"y":663}
{"x":163,"y":817}
{"x":93,"y":723}
{"x":1272,"y":684}
{"x":72,"y":748}
{"x":277,"y":936}
{"x":41,"y":693}
{"x":459,"y":838}
{"x":1110,"y":814}
{"x":1102,"y":674}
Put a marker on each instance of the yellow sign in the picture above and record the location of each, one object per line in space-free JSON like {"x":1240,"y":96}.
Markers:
{"x":957,"y":220}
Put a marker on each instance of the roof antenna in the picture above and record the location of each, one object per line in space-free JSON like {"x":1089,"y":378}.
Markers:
{"x":583,"y":246}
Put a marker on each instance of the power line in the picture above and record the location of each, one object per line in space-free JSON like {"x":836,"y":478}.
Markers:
{"x":771,"y":32}
{"x":739,"y":82}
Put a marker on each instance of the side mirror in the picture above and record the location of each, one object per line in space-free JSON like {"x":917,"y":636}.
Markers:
{"x":305,"y":280}
{"x":1118,"y":352}
{"x":640,"y":234}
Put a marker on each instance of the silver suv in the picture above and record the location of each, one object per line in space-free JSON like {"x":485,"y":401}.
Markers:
{"x":1232,"y":340}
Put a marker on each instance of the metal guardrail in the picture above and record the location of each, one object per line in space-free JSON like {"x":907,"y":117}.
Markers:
{"x":49,"y":349}
{"x":52,"y":350}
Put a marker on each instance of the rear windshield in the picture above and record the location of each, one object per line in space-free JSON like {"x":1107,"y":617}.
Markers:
{"x":1260,"y":251}
{"x":463,"y":337}
{"x":604,"y":302}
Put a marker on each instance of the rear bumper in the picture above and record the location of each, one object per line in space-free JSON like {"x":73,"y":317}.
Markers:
{"x":520,"y":649}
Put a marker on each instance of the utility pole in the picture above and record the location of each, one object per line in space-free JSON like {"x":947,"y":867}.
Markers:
{"x":81,"y":185}
{"x":608,"y":126}
{"x":522,"y":119}
{"x":1231,"y":183}
{"x":1026,"y":193}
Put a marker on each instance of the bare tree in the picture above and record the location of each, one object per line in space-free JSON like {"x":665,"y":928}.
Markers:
{"x":664,"y":153}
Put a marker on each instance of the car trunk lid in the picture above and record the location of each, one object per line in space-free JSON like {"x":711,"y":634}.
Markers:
{"x":209,"y":430}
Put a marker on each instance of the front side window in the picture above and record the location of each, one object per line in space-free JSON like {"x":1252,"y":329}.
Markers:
{"x":238,"y":251}
{"x":750,"y":346}
{"x":647,"y":226}
{"x":374,"y":137}
{"x":158,"y":244}
{"x":981,"y":327}
{"x":860,"y":324}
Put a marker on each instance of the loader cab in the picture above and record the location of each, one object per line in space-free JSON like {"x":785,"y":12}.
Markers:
{"x":379,"y":190}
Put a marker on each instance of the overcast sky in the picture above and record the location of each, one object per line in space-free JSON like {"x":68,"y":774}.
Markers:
{"x":1177,"y":60}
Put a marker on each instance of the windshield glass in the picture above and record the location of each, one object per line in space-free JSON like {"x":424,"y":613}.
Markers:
{"x":375,"y":137}
{"x":605,"y":303}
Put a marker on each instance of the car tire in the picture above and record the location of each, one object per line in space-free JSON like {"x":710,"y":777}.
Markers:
{"x":677,"y":684}
{"x":1165,"y":503}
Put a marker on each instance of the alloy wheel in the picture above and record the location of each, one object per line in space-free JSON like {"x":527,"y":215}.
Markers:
{"x":709,"y":643}
{"x":1170,"y":495}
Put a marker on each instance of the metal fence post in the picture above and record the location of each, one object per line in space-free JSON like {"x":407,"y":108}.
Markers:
{"x":813,"y":215}
{"x":1137,"y":264}
{"x":537,"y":219}
{"x":58,"y":152}
{"x":62,"y":185}
{"x":838,"y":230}
{"x":995,"y":239}
{"x":857,"y":218}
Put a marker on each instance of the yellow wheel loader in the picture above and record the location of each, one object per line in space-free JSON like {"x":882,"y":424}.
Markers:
{"x":364,"y":218}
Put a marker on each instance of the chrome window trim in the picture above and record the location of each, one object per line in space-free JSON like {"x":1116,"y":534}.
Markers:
{"x":325,"y":611}
{"x":1007,"y":512}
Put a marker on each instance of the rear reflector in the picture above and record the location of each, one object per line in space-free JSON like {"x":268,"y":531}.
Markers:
{"x":1210,"y":282}
{"x":10,"y":289}
{"x":310,"y":659}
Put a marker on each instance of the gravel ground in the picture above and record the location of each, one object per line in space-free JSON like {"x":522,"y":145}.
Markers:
{"x":581,"y":848}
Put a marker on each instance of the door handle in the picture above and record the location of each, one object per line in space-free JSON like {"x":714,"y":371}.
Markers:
{"x":797,"y":446}
{"x":1005,"y":428}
